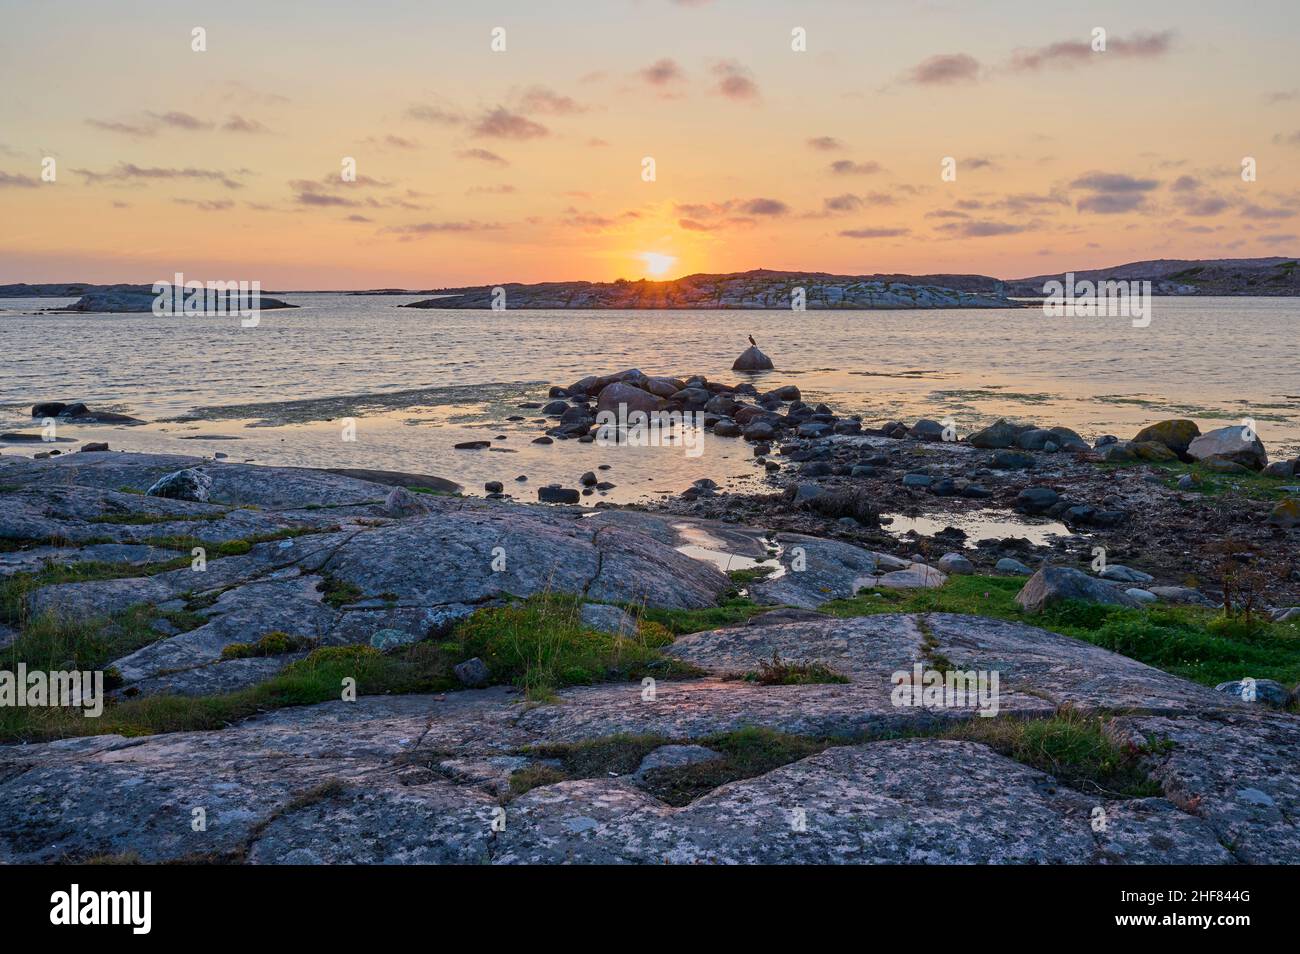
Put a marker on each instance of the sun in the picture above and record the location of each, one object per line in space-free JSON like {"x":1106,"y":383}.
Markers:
{"x":657,"y":263}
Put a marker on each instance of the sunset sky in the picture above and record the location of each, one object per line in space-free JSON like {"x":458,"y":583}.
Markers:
{"x":475,"y":166}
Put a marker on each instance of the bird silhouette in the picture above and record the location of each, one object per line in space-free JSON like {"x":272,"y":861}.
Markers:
{"x":752,"y":341}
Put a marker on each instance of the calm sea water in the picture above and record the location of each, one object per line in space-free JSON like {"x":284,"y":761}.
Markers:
{"x":418,"y":381}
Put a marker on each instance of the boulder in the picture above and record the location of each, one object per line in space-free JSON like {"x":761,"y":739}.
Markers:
{"x":564,"y":495}
{"x":1230,"y":444}
{"x":1286,"y":514}
{"x":1151,"y":450}
{"x":1124,"y":574}
{"x":618,"y":394}
{"x":1002,"y":433}
{"x":1008,"y":565}
{"x":751,"y":359}
{"x":1053,"y":584}
{"x":1265,"y":691}
{"x":1036,"y":438}
{"x":473,"y":673}
{"x":1177,"y":435}
{"x":189,"y":484}
{"x":400,"y":502}
{"x":608,"y":619}
{"x":1012,"y":460}
{"x":955,"y":563}
{"x":1036,"y":499}
{"x":926,"y":430}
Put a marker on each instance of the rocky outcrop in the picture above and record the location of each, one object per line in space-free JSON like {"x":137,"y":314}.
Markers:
{"x":759,"y":289}
{"x":420,"y":779}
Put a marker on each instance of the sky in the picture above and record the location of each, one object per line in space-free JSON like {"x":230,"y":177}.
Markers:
{"x":525,"y":141}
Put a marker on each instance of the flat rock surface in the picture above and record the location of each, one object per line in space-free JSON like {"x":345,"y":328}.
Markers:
{"x":427,"y":778}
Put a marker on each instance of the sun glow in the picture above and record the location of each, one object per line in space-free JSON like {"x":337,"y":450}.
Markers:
{"x":657,"y":263}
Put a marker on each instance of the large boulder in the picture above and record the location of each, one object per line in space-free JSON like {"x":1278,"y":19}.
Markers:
{"x":1052,"y":584}
{"x":635,"y":399}
{"x":1001,"y":433}
{"x":190,"y":484}
{"x":1177,"y":435}
{"x":751,"y":359}
{"x":1230,"y":444}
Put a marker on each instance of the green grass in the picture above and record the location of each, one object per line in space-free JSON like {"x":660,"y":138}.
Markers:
{"x":1196,"y":643}
{"x":15,"y":590}
{"x":785,"y":672}
{"x":1072,"y":747}
{"x":541,"y":644}
{"x":317,"y":678}
{"x":275,"y":643}
{"x":732,"y":610}
{"x":752,"y":575}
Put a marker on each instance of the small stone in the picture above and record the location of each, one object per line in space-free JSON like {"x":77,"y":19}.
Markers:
{"x":192,"y":484}
{"x":1008,"y":565}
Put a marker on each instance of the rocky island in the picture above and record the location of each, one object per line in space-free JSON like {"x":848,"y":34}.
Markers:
{"x":757,"y":289}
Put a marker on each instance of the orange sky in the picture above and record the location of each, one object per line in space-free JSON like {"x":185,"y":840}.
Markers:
{"x":526,"y":164}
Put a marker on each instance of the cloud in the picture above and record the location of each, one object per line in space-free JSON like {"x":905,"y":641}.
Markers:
{"x":945,"y":69}
{"x":357,"y":217}
{"x":237,"y":123}
{"x":735,"y":82}
{"x":16,"y":180}
{"x":873,"y":233}
{"x":985,"y":229}
{"x":1104,"y":203}
{"x":691,"y":225}
{"x":978,"y":162}
{"x":126,"y":129}
{"x":394,"y":142}
{"x":663,"y":72}
{"x":1292,"y":139}
{"x":500,"y":123}
{"x":323,"y":199}
{"x":207,"y":205}
{"x":420,"y":229}
{"x":1252,"y":211}
{"x":1286,"y":239}
{"x":846,"y":167}
{"x":1112,"y":192}
{"x":1070,"y":53}
{"x":764,"y":207}
{"x":1282,"y":96}
{"x":492,"y":190}
{"x":825,"y":143}
{"x":129,"y":171}
{"x":483,"y":155}
{"x":1204,"y":205}
{"x":425,"y":113}
{"x":178,"y":120}
{"x":540,"y":99}
{"x":848,"y":202}
{"x":1024,"y":201}
{"x":1185,"y":184}
{"x":1113,"y":182}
